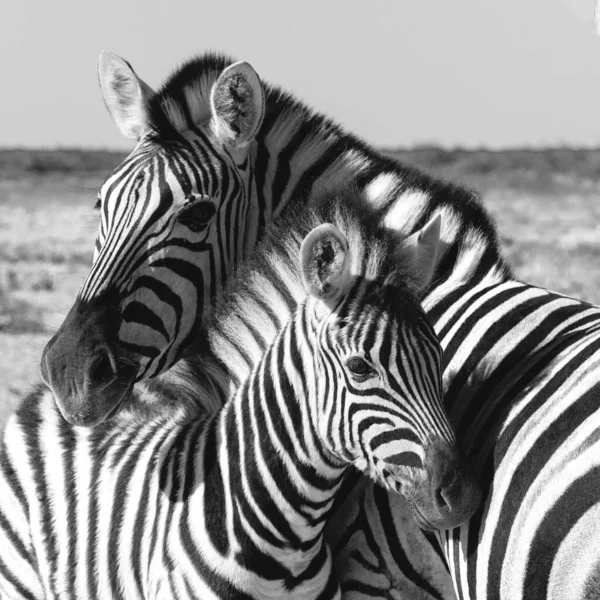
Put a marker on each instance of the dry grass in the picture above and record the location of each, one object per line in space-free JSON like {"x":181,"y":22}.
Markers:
{"x":47,"y":230}
{"x":549,"y":222}
{"x":552,"y":239}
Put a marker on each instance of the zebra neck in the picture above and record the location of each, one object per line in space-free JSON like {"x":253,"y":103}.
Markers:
{"x":278,"y":479}
{"x":293,"y":159}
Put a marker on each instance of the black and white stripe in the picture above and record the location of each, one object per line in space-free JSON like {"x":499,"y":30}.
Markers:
{"x":508,"y":359}
{"x":151,"y":250}
{"x":295,"y":153}
{"x":525,"y":404}
{"x":179,"y":504}
{"x":160,"y":275}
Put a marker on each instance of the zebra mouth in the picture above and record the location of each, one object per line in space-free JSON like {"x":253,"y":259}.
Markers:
{"x":418,"y":505}
{"x":420,"y":519}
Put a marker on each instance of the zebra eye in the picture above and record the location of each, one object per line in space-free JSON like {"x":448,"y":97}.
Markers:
{"x":197,"y":217}
{"x":98,"y":203}
{"x":360,"y":368}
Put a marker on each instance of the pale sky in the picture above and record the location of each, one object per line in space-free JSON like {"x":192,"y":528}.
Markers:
{"x":396,"y":72}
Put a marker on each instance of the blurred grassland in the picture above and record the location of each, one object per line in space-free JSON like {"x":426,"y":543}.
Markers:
{"x":546,"y":203}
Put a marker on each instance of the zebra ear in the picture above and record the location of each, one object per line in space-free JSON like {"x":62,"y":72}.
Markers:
{"x":238,"y":104}
{"x":325,"y":264}
{"x":421,"y":252}
{"x":126,"y":96}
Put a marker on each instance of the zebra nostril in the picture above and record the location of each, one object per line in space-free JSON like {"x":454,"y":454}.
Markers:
{"x":102,"y":368}
{"x":440,"y":499}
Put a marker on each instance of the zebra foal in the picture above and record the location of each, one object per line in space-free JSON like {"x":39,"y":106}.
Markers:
{"x":234,"y":505}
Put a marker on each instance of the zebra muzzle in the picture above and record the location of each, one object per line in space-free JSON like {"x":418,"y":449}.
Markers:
{"x":453,"y":493}
{"x":88,"y":377}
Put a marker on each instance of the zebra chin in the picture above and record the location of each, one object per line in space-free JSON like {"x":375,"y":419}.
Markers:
{"x":90,"y":411}
{"x":434,"y":509}
{"x":444,"y":493}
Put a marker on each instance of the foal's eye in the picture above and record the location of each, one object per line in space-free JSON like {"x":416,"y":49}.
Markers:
{"x":359,"y":368}
{"x":197,"y":216}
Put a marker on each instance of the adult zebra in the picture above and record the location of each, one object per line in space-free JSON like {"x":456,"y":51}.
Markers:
{"x":219,"y":155}
{"x":234,"y":505}
{"x":521,"y":364}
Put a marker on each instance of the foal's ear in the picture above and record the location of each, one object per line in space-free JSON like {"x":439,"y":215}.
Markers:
{"x":325,"y":264}
{"x":126,"y":96}
{"x":421,"y":252}
{"x":238,"y":104}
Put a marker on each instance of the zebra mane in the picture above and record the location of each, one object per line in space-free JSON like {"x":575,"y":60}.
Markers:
{"x":185,"y":97}
{"x":268,"y":287}
{"x":409,"y":196}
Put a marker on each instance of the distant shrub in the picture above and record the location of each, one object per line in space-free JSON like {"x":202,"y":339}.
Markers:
{"x":21,"y":162}
{"x":19,"y":316}
{"x":528,"y":165}
{"x":43,"y":282}
{"x":431,"y":157}
{"x":12,"y":280}
{"x":540,"y":169}
{"x":51,"y":163}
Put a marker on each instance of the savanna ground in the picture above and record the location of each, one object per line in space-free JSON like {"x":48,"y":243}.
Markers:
{"x":546,"y":204}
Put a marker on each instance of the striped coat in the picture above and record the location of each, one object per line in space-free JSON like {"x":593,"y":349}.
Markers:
{"x":182,"y":505}
{"x":215,"y":134}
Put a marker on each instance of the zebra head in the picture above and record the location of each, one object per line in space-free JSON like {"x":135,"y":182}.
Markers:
{"x":176,"y":215}
{"x":382,"y":411}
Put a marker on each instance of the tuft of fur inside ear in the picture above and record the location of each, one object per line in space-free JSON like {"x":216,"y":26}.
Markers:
{"x":328,"y":257}
{"x":126,"y":96}
{"x":325,"y":263}
{"x":238,"y":104}
{"x":233,"y":102}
